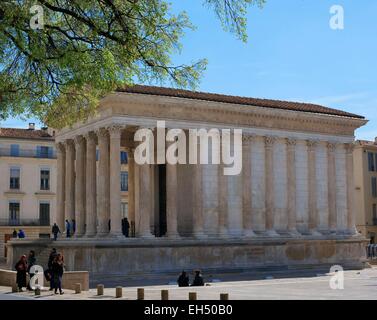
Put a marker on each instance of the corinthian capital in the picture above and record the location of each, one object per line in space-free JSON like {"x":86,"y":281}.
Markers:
{"x":115,"y":130}
{"x":102,"y":133}
{"x":349,"y":147}
{"x":312,"y":144}
{"x":269,"y":141}
{"x":291,"y":142}
{"x":79,"y":140}
{"x":331,"y":146}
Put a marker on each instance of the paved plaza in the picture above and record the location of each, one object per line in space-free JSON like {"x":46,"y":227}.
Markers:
{"x":360,"y":285}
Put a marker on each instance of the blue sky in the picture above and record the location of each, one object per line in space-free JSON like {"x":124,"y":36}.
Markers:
{"x":291,"y":54}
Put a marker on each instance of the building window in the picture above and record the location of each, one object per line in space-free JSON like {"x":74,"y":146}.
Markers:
{"x":44,"y":214}
{"x":14,"y":150}
{"x":371,"y":162}
{"x":374,"y":187}
{"x":374,"y":211}
{"x":124,"y":209}
{"x":14,"y":182}
{"x":123,"y":157}
{"x":14,"y":213}
{"x":124,"y":181}
{"x":44,"y":152}
{"x":45,"y":179}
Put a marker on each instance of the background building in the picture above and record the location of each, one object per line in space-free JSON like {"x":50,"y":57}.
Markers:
{"x":27,"y":184}
{"x":365,"y":162}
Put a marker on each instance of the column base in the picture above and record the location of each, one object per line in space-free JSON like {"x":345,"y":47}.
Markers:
{"x":294,"y":233}
{"x":146,"y":236}
{"x":199,"y":235}
{"x":223,"y":233}
{"x":173,"y":236}
{"x":271,"y":233}
{"x":249,"y":234}
{"x":116,"y":235}
{"x":315,"y":233}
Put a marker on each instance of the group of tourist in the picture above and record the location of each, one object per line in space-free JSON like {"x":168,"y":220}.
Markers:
{"x":53,"y":274}
{"x":18,"y":234}
{"x":184,"y":280}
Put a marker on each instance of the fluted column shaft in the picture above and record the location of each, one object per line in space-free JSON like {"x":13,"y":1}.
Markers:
{"x":171,"y":199}
{"x":103,"y":214}
{"x":291,"y":181}
{"x":70,"y":181}
{"x":91,"y":185}
{"x":332,"y":187}
{"x":198,"y":220}
{"x":144,"y":200}
{"x":351,"y":218}
{"x":131,"y":186}
{"x":80,"y":186}
{"x":223,"y":202}
{"x":246,"y":186}
{"x":312,"y":183}
{"x":115,"y":169}
{"x":269,"y":191}
{"x":60,"y":186}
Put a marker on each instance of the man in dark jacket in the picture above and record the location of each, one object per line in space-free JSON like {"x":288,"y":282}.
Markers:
{"x":68,"y":228}
{"x":183,"y":280}
{"x":48,"y":273}
{"x":55,"y":230}
{"x":198,"y":280}
{"x":126,"y":228}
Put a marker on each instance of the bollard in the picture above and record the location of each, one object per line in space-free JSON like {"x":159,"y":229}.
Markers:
{"x":224,"y":296}
{"x":100,"y":289}
{"x":118,"y":292}
{"x":140,"y":294}
{"x":37,"y":291}
{"x":192,"y":296}
{"x":14,"y":287}
{"x":164,"y":294}
{"x":77,"y":288}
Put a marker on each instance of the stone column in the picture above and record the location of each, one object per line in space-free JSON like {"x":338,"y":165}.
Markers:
{"x":144,"y":201}
{"x":131,"y":187}
{"x":312,"y":181}
{"x":291,"y":181}
{"x":115,"y":170}
{"x":198,"y":220}
{"x":80,"y":185}
{"x":171,"y":199}
{"x":91,"y":185}
{"x":70,"y":181}
{"x":332,"y":187}
{"x":246,"y":187}
{"x":60,"y":186}
{"x":223,"y":202}
{"x":351,"y":218}
{"x":269,"y":191}
{"x":103,"y":214}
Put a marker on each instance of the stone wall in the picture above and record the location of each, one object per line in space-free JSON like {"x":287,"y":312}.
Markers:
{"x":160,"y":256}
{"x":70,"y":278}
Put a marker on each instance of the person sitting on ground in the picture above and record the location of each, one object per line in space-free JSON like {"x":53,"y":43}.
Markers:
{"x":14,"y":234}
{"x":183,"y":280}
{"x":21,"y":234}
{"x":21,"y":268}
{"x":198,"y":280}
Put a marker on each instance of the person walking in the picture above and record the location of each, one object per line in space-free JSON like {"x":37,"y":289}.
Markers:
{"x":68,"y":228}
{"x":57,"y":271}
{"x":198,"y":280}
{"x":31,"y":261}
{"x":49,"y":272}
{"x":55,"y":231}
{"x":183,"y":280}
{"x":21,"y":268}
